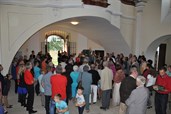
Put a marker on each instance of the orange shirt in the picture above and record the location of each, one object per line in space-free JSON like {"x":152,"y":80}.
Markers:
{"x":44,"y":66}
{"x":58,"y":85}
{"x":28,"y":77}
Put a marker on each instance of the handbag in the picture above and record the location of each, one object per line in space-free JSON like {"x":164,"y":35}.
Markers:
{"x":80,"y":82}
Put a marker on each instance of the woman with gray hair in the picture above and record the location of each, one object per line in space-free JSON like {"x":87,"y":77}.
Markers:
{"x":137,"y":101}
{"x":86,"y":79}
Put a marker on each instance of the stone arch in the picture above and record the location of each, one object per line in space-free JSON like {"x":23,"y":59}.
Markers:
{"x":150,"y":52}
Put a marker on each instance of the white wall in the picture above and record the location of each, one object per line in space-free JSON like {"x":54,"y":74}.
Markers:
{"x":152,"y":27}
{"x":168,"y":52}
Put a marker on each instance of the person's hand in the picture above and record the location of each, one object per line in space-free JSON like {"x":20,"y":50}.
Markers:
{"x":76,"y":104}
{"x":155,"y":87}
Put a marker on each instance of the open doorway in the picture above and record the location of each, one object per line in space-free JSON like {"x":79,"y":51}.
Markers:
{"x":55,"y":44}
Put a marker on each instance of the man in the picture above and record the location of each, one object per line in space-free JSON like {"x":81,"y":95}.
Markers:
{"x":58,"y":86}
{"x":47,"y":87}
{"x":106,"y":85}
{"x":29,"y":80}
{"x":95,"y":79}
{"x":127,"y":86}
{"x":137,"y":101}
{"x":85,"y":62}
{"x":163,"y":88}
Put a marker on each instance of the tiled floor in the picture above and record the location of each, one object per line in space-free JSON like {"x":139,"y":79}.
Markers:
{"x":94,"y":109}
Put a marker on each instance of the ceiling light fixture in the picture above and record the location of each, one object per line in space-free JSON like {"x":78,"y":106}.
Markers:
{"x":74,"y":22}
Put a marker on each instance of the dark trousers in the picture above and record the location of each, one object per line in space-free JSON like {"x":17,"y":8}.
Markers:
{"x":80,"y":110}
{"x":106,"y":98}
{"x":47,"y":102}
{"x":30,"y":99}
{"x":37,"y":86}
{"x":16,"y":85}
{"x":22,"y":99}
{"x":161,"y":101}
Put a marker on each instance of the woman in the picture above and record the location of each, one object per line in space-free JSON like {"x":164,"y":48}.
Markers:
{"x":119,"y":76}
{"x":137,"y":101}
{"x":74,"y":75}
{"x":22,"y":91}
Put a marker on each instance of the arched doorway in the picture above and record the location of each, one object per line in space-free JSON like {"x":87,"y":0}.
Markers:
{"x":54,"y":45}
{"x":158,"y":51}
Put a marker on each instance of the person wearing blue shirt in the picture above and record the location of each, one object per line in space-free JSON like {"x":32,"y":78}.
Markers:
{"x":61,"y":106}
{"x":36,"y":75}
{"x":74,"y":75}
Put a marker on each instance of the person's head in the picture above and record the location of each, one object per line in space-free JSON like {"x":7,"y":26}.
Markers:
{"x":93,"y":66}
{"x":105,"y":64}
{"x":75,"y":68}
{"x":57,"y":98}
{"x":162,"y":71}
{"x":48,"y":68}
{"x":28,"y":65}
{"x":148,"y":66}
{"x":9,"y":76}
{"x":80,"y":90}
{"x":85,"y":61}
{"x":134,"y":72}
{"x":150,"y":61}
{"x":42,"y":72}
{"x":140,"y":81}
{"x":32,"y":51}
{"x":169,"y":68}
{"x":86,"y":68}
{"x":118,"y":67}
{"x":1,"y":68}
{"x":36,"y":63}
{"x":59,"y":69}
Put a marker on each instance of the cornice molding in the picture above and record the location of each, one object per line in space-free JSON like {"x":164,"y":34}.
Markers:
{"x":44,"y":3}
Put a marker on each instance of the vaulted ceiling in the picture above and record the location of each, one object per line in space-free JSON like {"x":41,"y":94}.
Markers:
{"x":98,"y":30}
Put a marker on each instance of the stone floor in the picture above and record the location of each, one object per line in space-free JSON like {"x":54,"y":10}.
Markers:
{"x":94,"y":109}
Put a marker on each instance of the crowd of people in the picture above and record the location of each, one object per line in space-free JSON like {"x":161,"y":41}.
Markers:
{"x":127,"y":82}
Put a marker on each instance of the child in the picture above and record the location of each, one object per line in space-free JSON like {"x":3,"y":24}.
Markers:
{"x":80,"y":100}
{"x":61,"y":106}
{"x":41,"y":88}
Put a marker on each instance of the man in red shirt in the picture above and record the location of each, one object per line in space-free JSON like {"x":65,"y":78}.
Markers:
{"x":58,"y":86}
{"x":163,"y":88}
{"x":29,"y":80}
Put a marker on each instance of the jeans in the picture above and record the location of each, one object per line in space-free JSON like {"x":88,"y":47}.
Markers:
{"x":80,"y":110}
{"x":161,"y":101}
{"x":47,"y":102}
{"x":52,"y":107}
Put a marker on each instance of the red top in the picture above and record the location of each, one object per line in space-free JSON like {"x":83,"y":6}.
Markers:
{"x":164,"y":81}
{"x":58,"y":85}
{"x":146,"y":72}
{"x":28,"y":77}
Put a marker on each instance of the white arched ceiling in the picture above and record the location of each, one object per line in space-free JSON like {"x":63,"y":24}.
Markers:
{"x":96,"y":29}
{"x":150,"y":52}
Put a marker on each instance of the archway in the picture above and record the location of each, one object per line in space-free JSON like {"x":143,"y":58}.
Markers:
{"x":153,"y":49}
{"x":55,"y":44}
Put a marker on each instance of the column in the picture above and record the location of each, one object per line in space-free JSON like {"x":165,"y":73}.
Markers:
{"x":138,"y":28}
